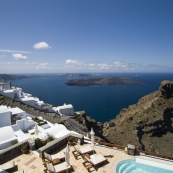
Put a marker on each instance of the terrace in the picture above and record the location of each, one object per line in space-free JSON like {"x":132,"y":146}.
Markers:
{"x":31,"y":162}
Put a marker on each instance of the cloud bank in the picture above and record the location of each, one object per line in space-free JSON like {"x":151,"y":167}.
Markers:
{"x":13,"y":51}
{"x":42,"y":66}
{"x":72,"y":62}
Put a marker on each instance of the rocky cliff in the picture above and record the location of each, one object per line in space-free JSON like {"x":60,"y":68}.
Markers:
{"x":148,"y":124}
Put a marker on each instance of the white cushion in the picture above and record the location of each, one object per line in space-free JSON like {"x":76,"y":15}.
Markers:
{"x":61,"y":167}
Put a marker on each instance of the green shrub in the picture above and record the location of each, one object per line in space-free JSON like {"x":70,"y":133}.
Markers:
{"x":14,"y":142}
{"x":50,"y":138}
{"x":38,"y":143}
{"x":70,"y":138}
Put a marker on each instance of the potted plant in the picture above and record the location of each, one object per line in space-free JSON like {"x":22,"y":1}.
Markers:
{"x":24,"y":148}
{"x":70,"y":140}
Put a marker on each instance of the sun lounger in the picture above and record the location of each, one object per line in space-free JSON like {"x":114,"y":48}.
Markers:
{"x":76,"y":154}
{"x":86,"y":149}
{"x":62,"y":167}
{"x":87,"y":165}
{"x":96,"y":159}
{"x":55,"y":158}
{"x":7,"y":166}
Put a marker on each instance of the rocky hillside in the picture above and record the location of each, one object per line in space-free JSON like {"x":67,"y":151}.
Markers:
{"x":148,"y":124}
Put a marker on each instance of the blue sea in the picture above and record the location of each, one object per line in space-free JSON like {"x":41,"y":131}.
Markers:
{"x":101,"y":103}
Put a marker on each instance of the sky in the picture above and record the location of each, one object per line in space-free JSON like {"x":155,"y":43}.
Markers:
{"x":76,"y":36}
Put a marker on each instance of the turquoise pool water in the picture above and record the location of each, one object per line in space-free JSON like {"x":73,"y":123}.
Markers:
{"x":130,"y":166}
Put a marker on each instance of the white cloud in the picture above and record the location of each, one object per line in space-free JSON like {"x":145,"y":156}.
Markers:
{"x":3,"y":56}
{"x":72,"y":62}
{"x":119,"y":64}
{"x":13,"y":51}
{"x":42,"y":66}
{"x":91,"y":65}
{"x":41,"y":45}
{"x":19,"y":56}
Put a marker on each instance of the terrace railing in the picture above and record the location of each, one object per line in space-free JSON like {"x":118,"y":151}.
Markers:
{"x":136,"y":150}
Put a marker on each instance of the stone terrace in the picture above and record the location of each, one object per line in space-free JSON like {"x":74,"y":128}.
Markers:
{"x":32,"y":163}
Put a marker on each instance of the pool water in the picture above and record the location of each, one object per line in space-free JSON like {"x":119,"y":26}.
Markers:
{"x":130,"y":166}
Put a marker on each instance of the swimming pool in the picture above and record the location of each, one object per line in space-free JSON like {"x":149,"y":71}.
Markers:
{"x":131,"y":166}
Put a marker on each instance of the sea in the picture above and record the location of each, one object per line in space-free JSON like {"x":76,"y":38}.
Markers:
{"x":100,"y":102}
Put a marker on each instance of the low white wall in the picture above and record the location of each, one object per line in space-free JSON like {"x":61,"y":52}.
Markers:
{"x":38,"y":107}
{"x":28,"y":124}
{"x":40,"y":129}
{"x":50,"y":109}
{"x":6,"y":143}
{"x":15,"y":127}
{"x":10,"y":95}
{"x":67,"y":111}
{"x":23,"y":124}
{"x":5,"y":119}
{"x":29,"y":102}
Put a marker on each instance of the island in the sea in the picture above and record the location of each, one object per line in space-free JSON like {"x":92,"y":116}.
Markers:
{"x":77,"y":74}
{"x":102,"y":81}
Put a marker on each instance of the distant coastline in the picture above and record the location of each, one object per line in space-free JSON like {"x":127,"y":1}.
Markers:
{"x":5,"y":77}
{"x":102,"y":81}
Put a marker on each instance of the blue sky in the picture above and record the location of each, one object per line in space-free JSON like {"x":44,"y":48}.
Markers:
{"x":60,"y":36}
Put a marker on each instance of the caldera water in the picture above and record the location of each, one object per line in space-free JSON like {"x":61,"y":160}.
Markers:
{"x":101,"y":102}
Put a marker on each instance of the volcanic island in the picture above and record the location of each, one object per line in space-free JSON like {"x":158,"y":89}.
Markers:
{"x":102,"y":81}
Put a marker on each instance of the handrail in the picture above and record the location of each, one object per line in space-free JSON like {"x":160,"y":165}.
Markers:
{"x":107,"y":144}
{"x":154,"y":154}
{"x":136,"y":150}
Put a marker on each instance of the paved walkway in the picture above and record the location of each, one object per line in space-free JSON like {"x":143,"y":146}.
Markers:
{"x":31,"y":163}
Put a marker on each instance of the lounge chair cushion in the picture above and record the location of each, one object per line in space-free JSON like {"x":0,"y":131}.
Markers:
{"x":54,"y":156}
{"x":60,"y":156}
{"x":50,"y":167}
{"x":7,"y":166}
{"x":47,"y":156}
{"x":84,"y":150}
{"x":61,"y":167}
{"x":96,"y":159}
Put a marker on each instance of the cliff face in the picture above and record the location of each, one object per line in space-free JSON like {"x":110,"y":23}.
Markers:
{"x":148,"y":124}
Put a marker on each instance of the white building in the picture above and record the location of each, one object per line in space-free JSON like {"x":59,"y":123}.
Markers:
{"x":14,"y":122}
{"x":5,"y":85}
{"x":8,"y":117}
{"x":17,"y":94}
{"x":65,"y":110}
